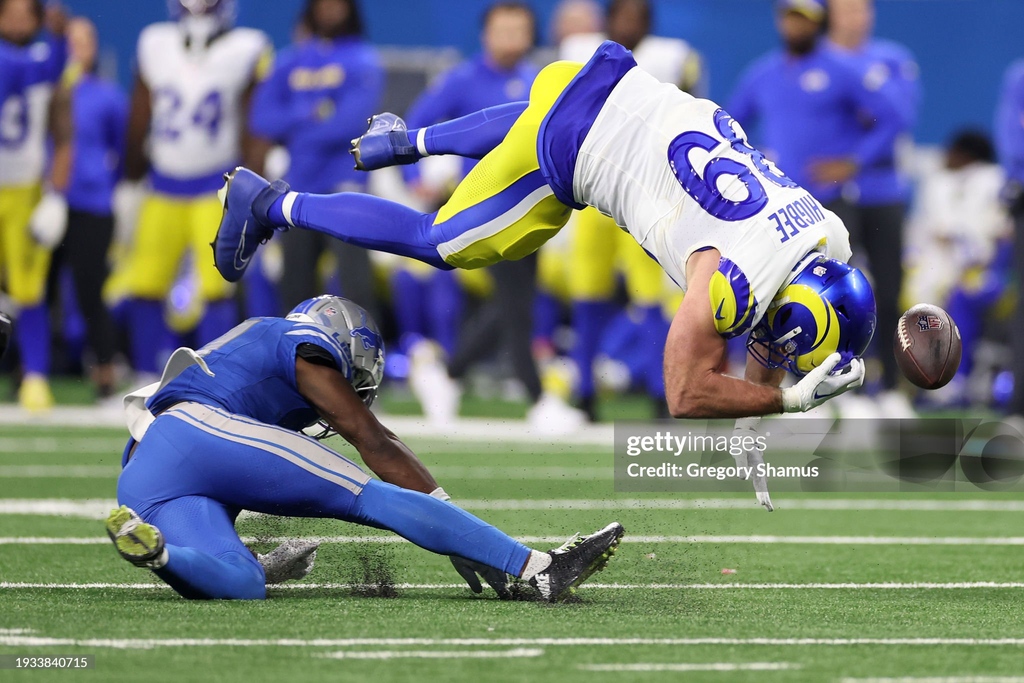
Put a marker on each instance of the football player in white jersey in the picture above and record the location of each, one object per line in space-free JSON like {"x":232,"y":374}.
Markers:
{"x":597,"y":249}
{"x":754,"y":252}
{"x":187,"y":126}
{"x":31,"y":63}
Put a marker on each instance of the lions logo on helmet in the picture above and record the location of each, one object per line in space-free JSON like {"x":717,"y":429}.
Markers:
{"x":357,"y":330}
{"x":827,"y":308}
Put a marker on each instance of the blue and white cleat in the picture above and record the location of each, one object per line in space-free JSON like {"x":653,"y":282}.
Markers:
{"x":139,"y":543}
{"x":385,"y":143}
{"x":244,"y":226}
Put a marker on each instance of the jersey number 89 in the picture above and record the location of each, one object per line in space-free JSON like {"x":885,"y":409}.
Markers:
{"x":703,"y":186}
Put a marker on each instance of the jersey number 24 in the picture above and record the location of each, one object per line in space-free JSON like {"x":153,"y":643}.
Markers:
{"x":168,"y":121}
{"x":703,"y":186}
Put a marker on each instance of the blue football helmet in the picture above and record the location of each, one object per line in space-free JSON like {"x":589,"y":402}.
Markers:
{"x":827,"y":308}
{"x":354,"y":324}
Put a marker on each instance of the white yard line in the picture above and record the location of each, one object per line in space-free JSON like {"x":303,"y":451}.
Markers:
{"x":523,"y":473}
{"x":516,"y":653}
{"x":97,"y":508}
{"x":59,"y":471}
{"x":937,"y":679}
{"x":710,"y":666}
{"x":481,"y":430}
{"x":891,"y":585}
{"x":67,"y":445}
{"x":715,"y":540}
{"x":148,"y":643}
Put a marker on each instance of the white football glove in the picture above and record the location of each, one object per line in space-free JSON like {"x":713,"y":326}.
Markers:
{"x":49,"y":220}
{"x":747,"y":427}
{"x":127,"y":200}
{"x":819,"y":385}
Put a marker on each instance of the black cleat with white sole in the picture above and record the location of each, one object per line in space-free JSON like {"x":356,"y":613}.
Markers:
{"x":575,"y":561}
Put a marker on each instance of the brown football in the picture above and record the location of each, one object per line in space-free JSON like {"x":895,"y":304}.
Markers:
{"x":927,"y":346}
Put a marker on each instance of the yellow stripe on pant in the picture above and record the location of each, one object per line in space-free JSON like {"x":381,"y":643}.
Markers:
{"x":504,"y":210}
{"x":167,"y":227}
{"x":596,"y":248}
{"x":24,"y":264}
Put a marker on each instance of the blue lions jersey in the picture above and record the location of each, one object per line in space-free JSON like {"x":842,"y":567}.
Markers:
{"x":253,"y":368}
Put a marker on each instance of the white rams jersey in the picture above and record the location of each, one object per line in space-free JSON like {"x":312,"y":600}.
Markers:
{"x":24,"y":118}
{"x":677,"y":174}
{"x":670,"y":60}
{"x":197,"y":97}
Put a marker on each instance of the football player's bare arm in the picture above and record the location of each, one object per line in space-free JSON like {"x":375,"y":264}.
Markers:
{"x":758,"y":374}
{"x":135,"y":164}
{"x":695,"y":355}
{"x":339,"y":405}
{"x":61,"y":131}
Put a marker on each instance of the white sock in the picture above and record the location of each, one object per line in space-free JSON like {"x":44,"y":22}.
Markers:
{"x":537,"y":563}
{"x":159,"y":562}
{"x":421,"y":145}
{"x":286,"y":207}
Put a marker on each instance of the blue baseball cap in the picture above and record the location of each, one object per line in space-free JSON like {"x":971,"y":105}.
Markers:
{"x":812,"y":9}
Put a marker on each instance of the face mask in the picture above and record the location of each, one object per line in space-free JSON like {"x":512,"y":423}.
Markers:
{"x":200,"y":29}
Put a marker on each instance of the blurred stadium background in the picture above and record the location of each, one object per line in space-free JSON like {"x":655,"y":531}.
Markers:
{"x":956,"y":247}
{"x":921,"y":585}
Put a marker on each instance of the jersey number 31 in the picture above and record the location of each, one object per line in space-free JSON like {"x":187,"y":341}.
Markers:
{"x":703,"y":186}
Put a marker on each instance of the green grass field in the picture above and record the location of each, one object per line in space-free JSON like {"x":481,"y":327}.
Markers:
{"x":806,"y":602}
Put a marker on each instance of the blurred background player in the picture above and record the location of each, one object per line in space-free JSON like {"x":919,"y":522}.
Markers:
{"x":90,"y":117}
{"x":500,"y":74}
{"x":187,"y":126}
{"x":816,"y":115}
{"x":31,"y":64}
{"x":873,"y":201}
{"x":1009,"y":128}
{"x":959,"y":252}
{"x":599,"y":249}
{"x":316,"y":99}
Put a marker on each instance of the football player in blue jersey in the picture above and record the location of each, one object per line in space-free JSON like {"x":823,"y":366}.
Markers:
{"x":31,"y":62}
{"x":219,"y":433}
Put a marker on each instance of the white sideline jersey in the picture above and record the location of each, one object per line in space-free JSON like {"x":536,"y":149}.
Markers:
{"x":197,"y":97}
{"x":670,"y":60}
{"x":657,"y":161}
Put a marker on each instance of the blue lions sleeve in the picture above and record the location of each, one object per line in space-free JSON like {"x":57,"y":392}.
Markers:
{"x":250,"y":371}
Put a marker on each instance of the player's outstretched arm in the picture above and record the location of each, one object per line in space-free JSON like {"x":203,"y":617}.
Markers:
{"x":695,"y":355}
{"x":339,"y":405}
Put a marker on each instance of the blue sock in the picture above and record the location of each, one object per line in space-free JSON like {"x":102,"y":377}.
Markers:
{"x":276,"y":212}
{"x":146,"y":325}
{"x":438,"y":526}
{"x":220,"y":316}
{"x":546,"y":313}
{"x":408,"y":302}
{"x":653,"y":331}
{"x":32,"y":330}
{"x":261,"y":298}
{"x":471,"y":136}
{"x":370,"y":222}
{"x":444,"y":309}
{"x":588,"y":321}
{"x":197,"y":575}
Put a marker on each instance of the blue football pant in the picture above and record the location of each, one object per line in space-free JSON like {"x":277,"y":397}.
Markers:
{"x":197,"y":467}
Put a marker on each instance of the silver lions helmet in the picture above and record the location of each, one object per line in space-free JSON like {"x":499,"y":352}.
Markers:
{"x":357,"y":328}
